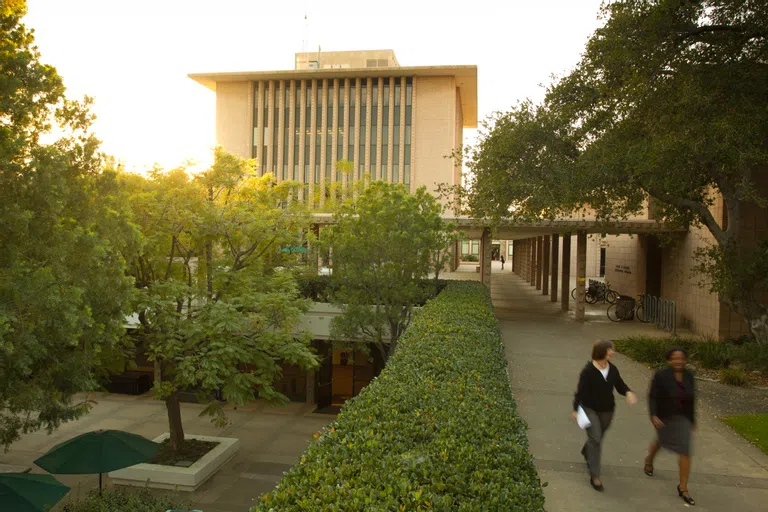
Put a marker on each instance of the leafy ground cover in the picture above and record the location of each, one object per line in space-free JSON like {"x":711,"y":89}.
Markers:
{"x":437,"y":430}
{"x":741,"y":362}
{"x":125,"y":500}
{"x":753,"y":427}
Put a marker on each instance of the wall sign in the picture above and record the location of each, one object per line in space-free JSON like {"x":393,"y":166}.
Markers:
{"x":622,"y":269}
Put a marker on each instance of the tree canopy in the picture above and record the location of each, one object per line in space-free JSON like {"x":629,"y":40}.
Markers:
{"x":383,"y":246}
{"x":63,"y":288}
{"x":667,"y":103}
{"x":217,"y":314}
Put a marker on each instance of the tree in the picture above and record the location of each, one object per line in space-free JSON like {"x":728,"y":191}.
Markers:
{"x":222,"y":326}
{"x":63,"y":288}
{"x":666,"y":104}
{"x":382,"y":247}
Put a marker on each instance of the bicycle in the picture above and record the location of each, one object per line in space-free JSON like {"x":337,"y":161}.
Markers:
{"x":626,"y":308}
{"x":597,"y":292}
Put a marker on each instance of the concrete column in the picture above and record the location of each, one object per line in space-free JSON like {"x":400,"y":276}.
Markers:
{"x":485,"y":257}
{"x":555,"y":269}
{"x":514,"y":253}
{"x":539,"y":258}
{"x":581,"y":273}
{"x":565,"y":294}
{"x":545,"y":268}
{"x":532,"y":270}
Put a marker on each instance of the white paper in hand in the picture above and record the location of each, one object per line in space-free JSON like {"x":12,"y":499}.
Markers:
{"x":582,"y":419}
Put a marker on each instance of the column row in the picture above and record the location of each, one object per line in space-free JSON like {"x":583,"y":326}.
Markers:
{"x":537,"y":260}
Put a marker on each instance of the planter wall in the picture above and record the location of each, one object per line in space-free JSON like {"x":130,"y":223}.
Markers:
{"x":176,"y":478}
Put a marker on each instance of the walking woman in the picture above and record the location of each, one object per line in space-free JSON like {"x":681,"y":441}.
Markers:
{"x":594,"y":395}
{"x":671,"y":403}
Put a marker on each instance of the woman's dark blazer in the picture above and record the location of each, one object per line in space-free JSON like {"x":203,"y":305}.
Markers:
{"x":663,"y":399}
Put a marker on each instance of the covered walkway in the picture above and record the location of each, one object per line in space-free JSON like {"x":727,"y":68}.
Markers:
{"x":546,"y":350}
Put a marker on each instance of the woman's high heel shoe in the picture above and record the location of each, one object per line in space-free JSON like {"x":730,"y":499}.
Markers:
{"x":686,"y":499}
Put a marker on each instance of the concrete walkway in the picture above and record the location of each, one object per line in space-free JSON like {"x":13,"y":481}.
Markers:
{"x":546,"y":350}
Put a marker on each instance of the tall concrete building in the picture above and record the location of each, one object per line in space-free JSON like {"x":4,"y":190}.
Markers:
{"x":391,"y":122}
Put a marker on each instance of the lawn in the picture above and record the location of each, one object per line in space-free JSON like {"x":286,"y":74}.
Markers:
{"x":753,"y":427}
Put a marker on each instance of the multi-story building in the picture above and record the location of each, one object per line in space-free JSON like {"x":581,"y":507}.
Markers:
{"x":389,"y":122}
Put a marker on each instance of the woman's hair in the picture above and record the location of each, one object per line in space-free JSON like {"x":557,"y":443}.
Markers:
{"x":672,"y":350}
{"x":600,"y":349}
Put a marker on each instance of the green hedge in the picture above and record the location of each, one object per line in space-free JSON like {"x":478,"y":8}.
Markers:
{"x":321,"y":288}
{"x":125,"y":500}
{"x":437,"y":430}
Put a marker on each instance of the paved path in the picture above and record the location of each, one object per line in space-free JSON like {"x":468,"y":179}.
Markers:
{"x":546,"y":350}
{"x":272,"y":440}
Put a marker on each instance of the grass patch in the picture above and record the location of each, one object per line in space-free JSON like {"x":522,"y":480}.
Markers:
{"x":192,"y":451}
{"x":752,"y":427}
{"x":706,"y":353}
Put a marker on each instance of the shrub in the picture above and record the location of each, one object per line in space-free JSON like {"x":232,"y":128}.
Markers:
{"x":734,"y":377}
{"x":437,"y":430}
{"x":469,"y":257}
{"x":125,"y":500}
{"x":708,"y":353}
{"x":320,"y":288}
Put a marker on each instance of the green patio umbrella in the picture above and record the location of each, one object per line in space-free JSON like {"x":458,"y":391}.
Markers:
{"x":22,"y":492}
{"x":100,"y":451}
{"x":295,"y":248}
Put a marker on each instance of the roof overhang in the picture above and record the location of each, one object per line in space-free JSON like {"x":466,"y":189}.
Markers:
{"x":466,"y":80}
{"x":511,"y":229}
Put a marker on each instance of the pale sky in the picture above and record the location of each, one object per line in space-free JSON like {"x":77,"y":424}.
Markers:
{"x":134,"y":57}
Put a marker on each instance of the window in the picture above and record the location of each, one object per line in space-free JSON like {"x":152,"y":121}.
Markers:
{"x":276,"y":121}
{"x":329,"y":134}
{"x":286,"y":127}
{"x":385,"y":131}
{"x":351,"y":127}
{"x":340,"y":131}
{"x":408,"y":120}
{"x":476,"y":247}
{"x":296,"y":127}
{"x":602,"y":261}
{"x":374,"y":126}
{"x":396,"y":136}
{"x":256,"y":104}
{"x":363,"y":114}
{"x":307,"y":129}
{"x":464,"y":247}
{"x":318,"y":128}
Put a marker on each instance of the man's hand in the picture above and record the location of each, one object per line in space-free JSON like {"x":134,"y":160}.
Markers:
{"x":657,"y":423}
{"x":574,"y":415}
{"x":631,"y":398}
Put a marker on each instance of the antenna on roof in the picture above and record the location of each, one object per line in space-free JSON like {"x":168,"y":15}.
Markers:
{"x":306,"y":31}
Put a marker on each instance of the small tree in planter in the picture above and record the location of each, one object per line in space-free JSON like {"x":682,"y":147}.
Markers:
{"x":224,"y":323}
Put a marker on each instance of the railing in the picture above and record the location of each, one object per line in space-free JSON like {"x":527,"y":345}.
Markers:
{"x":660,"y":311}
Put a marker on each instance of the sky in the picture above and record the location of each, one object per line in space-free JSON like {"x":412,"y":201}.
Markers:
{"x":133,"y":57}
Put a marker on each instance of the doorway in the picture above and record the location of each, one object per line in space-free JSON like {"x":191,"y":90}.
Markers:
{"x":652,"y":266}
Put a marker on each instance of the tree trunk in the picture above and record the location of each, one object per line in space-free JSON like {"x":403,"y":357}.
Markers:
{"x":174,"y":421}
{"x":756,"y":315}
{"x":209,"y":255}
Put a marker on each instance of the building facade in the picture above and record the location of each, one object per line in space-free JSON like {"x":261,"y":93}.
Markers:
{"x":383,"y":121}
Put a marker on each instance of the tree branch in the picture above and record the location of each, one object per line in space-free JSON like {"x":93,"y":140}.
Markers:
{"x":701,"y":211}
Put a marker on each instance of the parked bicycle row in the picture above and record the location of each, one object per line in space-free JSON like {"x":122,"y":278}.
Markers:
{"x":621,"y":307}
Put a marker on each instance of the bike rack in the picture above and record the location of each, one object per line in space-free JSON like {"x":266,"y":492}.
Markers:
{"x":660,"y":311}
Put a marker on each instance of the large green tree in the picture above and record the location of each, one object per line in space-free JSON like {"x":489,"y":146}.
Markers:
{"x":217,"y":312}
{"x":667,"y":104}
{"x":63,"y":288}
{"x":383,"y":247}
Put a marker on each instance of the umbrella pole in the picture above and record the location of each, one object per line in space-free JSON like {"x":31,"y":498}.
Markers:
{"x":99,"y":484}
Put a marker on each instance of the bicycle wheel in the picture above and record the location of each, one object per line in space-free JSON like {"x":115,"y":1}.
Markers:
{"x":573,"y":294}
{"x":640,"y":313}
{"x":612,"y":313}
{"x":590,"y":299}
{"x":611,"y":296}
